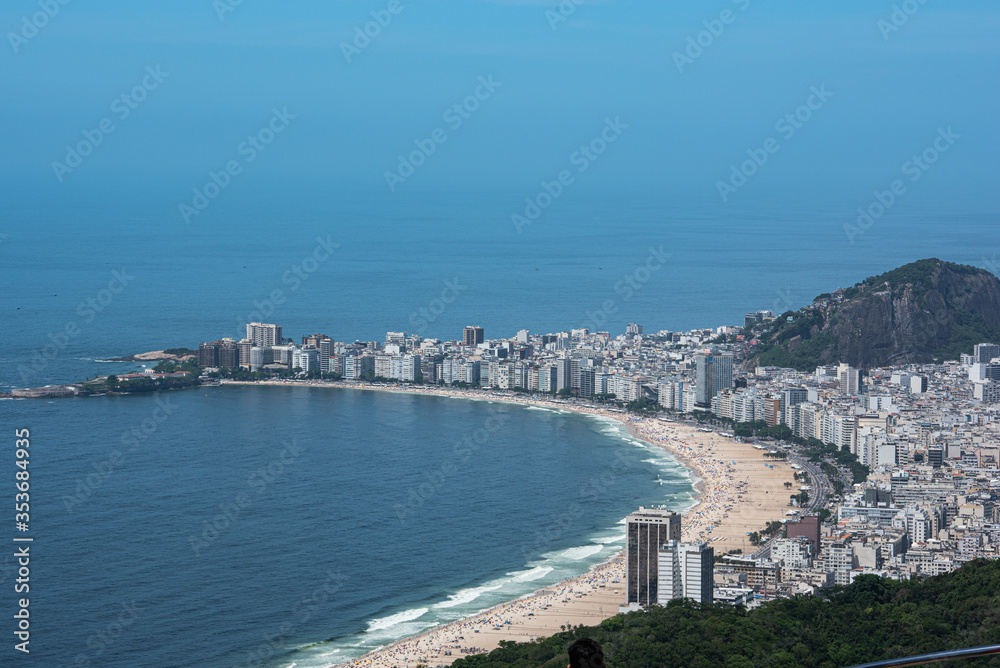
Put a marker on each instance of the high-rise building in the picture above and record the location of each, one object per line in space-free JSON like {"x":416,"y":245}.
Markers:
{"x":685,"y":571}
{"x":988,"y":392}
{"x":325,"y":352}
{"x":646,"y":530}
{"x":263,"y":334}
{"x":396,"y":338}
{"x":794,"y":552}
{"x":282,"y":355}
{"x":208,"y":355}
{"x":632,"y":330}
{"x":471,"y":372}
{"x":722,"y":372}
{"x":306,"y":358}
{"x":807,"y":526}
{"x":472,"y":335}
{"x":355,"y":366}
{"x":313,"y":339}
{"x":383,"y":366}
{"x":244,"y":352}
{"x":564,"y":373}
{"x":850,"y":379}
{"x":772,"y":410}
{"x":703,"y":381}
{"x":790,"y":397}
{"x":223,"y":353}
{"x":574,"y":373}
{"x":428,"y":368}
{"x":548,"y":378}
{"x":258,"y":357}
{"x":985,"y":352}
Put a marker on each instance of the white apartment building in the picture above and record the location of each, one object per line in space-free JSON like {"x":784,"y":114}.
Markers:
{"x":685,"y":571}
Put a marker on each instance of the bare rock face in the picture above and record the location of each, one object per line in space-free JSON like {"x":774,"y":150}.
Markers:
{"x":922,"y":312}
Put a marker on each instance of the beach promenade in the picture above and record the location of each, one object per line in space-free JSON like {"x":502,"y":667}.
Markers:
{"x":739,"y":491}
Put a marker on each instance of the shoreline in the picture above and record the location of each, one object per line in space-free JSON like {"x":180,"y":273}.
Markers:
{"x":726,"y":507}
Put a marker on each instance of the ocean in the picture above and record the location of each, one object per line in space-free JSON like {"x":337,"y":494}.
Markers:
{"x":239,"y":526}
{"x":261,"y":526}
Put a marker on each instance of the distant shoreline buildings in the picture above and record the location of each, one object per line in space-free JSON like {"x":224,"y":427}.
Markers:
{"x":928,"y":434}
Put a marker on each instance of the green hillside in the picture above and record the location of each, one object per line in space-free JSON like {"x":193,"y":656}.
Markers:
{"x":870,"y":620}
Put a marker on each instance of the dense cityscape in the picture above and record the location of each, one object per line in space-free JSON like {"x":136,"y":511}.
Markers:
{"x":901,"y":462}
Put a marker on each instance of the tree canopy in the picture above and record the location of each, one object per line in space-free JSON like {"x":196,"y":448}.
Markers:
{"x":870,"y":620}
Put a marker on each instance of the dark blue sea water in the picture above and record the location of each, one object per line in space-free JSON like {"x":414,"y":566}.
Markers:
{"x":306,"y":525}
{"x":316,"y":549}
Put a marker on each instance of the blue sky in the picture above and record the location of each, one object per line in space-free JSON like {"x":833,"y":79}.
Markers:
{"x":558,"y":83}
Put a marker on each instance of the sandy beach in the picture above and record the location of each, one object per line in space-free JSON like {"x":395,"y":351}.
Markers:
{"x":739,"y":491}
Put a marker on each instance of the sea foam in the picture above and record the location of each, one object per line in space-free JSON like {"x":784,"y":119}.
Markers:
{"x":399,"y":618}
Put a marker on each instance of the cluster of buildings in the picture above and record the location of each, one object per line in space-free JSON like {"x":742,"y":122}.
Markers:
{"x":930,"y":437}
{"x":659,"y":567}
{"x":264,"y":349}
{"x":578,"y":362}
{"x":928,"y":434}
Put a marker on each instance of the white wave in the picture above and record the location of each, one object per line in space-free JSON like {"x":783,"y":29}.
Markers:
{"x":398,"y":618}
{"x":577,"y":553}
{"x":465,"y":596}
{"x":604,"y":540}
{"x":539,"y":408}
{"x":531,"y":574}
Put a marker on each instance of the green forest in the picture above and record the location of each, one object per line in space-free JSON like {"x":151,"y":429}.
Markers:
{"x":871,"y":620}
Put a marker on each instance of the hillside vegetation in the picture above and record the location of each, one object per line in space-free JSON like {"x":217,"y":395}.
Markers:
{"x":870,"y":620}
{"x":925,"y":311}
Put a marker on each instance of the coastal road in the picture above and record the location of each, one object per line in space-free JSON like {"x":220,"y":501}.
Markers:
{"x":821,"y":491}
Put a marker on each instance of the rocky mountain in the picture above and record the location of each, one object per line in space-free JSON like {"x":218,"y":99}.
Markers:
{"x":925,"y":311}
